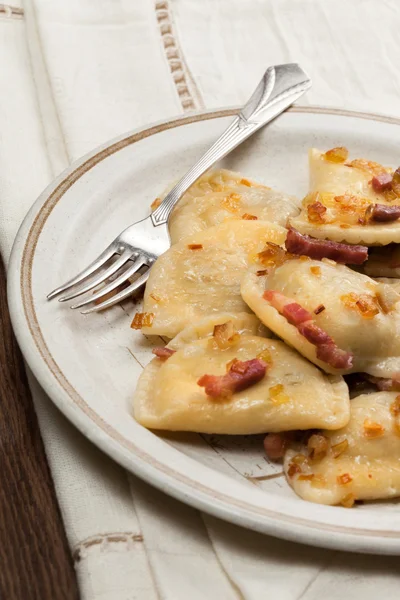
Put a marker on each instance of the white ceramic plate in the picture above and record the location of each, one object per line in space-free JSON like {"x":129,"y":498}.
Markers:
{"x":89,"y":365}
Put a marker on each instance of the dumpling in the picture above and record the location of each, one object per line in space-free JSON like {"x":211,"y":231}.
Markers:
{"x":244,"y":323}
{"x":339,"y":319}
{"x":293,"y":394}
{"x":394,"y":283}
{"x":221,"y":195}
{"x":201,"y":275}
{"x":344,"y":204}
{"x":358,"y":462}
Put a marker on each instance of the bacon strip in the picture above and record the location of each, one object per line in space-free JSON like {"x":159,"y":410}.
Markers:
{"x":385,"y":385}
{"x":163,"y":352}
{"x":241,"y":375}
{"x":296,"y":243}
{"x":382,"y":182}
{"x":335,"y":356}
{"x":326,"y":349}
{"x":382,"y":213}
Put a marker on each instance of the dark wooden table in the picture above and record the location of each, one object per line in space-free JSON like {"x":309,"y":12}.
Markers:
{"x":35,"y":562}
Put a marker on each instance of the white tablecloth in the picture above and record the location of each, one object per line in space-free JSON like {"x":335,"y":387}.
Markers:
{"x":75,"y":73}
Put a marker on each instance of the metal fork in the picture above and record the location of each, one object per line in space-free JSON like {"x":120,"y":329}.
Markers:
{"x":143,"y":242}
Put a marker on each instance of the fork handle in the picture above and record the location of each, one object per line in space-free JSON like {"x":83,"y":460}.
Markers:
{"x":278,"y":89}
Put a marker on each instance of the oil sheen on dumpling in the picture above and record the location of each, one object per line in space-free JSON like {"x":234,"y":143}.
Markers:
{"x":361,"y":315}
{"x":339,"y":195}
{"x":201,"y":275}
{"x":358,"y":462}
{"x":294,"y":394}
{"x":221,"y":195}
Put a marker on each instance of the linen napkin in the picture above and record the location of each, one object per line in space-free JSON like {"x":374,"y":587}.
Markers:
{"x":78,"y":73}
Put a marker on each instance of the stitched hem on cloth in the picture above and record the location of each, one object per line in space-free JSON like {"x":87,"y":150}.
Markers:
{"x":185,"y":85}
{"x":104,"y":540}
{"x":12,"y":12}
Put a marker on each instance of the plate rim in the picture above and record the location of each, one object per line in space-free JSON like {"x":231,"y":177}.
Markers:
{"x":108,"y":439}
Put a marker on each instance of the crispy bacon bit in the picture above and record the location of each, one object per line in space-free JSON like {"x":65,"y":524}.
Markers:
{"x":395,"y":407}
{"x":142,"y":320}
{"x":240,"y":376}
{"x":163,"y":352}
{"x":277,"y":394}
{"x":293,"y":469}
{"x":231,"y":203}
{"x":246,"y":182}
{"x":381,"y":213}
{"x":320,"y":308}
{"x":316,"y":212}
{"x":300,"y":459}
{"x":155,"y":297}
{"x":275,"y":445}
{"x":318,"y":446}
{"x":296,"y":243}
{"x":337,"y":155}
{"x":344,"y":479}
{"x":365,"y":304}
{"x":373,"y":430}
{"x":339,"y":448}
{"x":318,"y":481}
{"x":225,"y":335}
{"x":262,"y":273}
{"x":316,"y":271}
{"x":265,"y":356}
{"x":348,"y":500}
{"x":272,"y":255}
{"x":367,"y":165}
{"x":155,"y":204}
{"x":308,"y":477}
{"x":326,"y":349}
{"x":350,"y":204}
{"x":248,"y":217}
{"x":382,"y":182}
{"x":195,"y":246}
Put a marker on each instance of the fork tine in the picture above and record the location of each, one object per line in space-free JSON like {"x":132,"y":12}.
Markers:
{"x":121,"y":296}
{"x":96,"y":264}
{"x":102,"y":276}
{"x":113,"y":284}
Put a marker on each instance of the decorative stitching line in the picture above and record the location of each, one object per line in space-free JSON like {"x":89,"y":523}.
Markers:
{"x":185,"y":85}
{"x":104,"y":539}
{"x":12,"y":12}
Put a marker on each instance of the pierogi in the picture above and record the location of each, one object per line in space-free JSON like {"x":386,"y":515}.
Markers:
{"x":223,"y":195}
{"x":201,"y":275}
{"x":293,"y":394}
{"x":340,"y":199}
{"x":358,"y":462}
{"x":360,"y":315}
